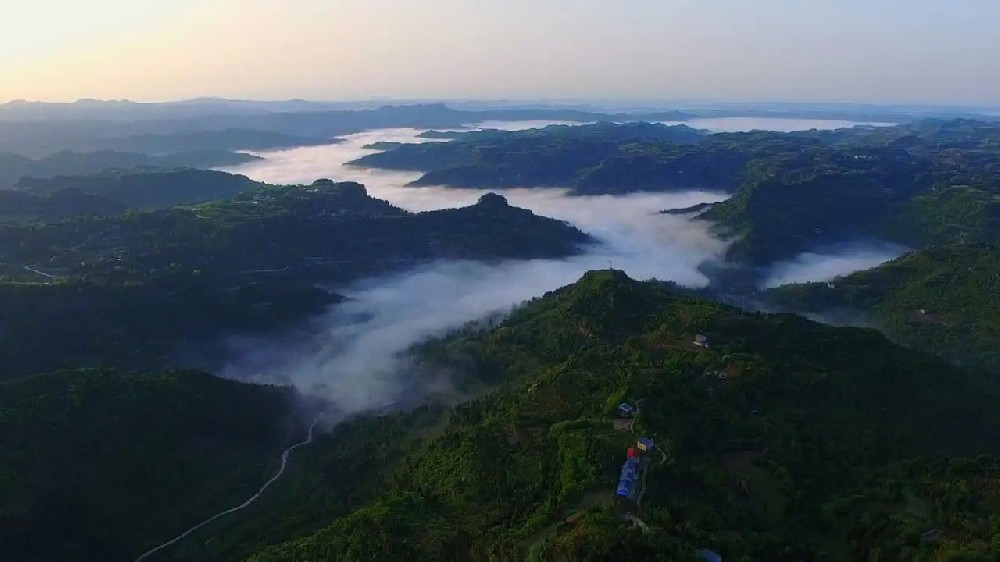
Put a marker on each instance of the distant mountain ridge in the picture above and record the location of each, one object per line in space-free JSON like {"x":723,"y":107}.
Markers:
{"x":146,"y":188}
{"x":14,"y":167}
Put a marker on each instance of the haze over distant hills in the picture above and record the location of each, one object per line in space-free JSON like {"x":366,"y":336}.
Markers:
{"x":198,"y":107}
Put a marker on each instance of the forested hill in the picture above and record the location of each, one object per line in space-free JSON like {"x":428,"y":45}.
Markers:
{"x":126,"y":290}
{"x":13,"y":167}
{"x":97,"y":463}
{"x":56,"y":206}
{"x":135,"y":188}
{"x":775,"y":439}
{"x":323,"y":232}
{"x":781,"y":440}
{"x":941,"y":299}
{"x":927,"y":182}
{"x":597,"y":158}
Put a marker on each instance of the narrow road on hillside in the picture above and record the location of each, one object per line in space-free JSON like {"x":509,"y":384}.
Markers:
{"x":42,"y":273}
{"x":244,"y":505}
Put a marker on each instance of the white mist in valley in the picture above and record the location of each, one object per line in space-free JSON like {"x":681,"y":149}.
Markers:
{"x":352,"y":355}
{"x":828,"y":264}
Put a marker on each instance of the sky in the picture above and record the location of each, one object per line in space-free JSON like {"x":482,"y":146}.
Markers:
{"x":911,"y":51}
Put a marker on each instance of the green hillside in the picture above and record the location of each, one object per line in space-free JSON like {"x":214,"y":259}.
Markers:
{"x":764,"y":435}
{"x":941,"y":299}
{"x":126,"y":291}
{"x":782,"y":440}
{"x":928,"y":182}
{"x":323,"y":232}
{"x":920,"y":183}
{"x":14,"y":167}
{"x":146,"y":188}
{"x":97,"y":464}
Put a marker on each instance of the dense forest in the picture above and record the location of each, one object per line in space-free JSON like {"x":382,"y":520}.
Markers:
{"x":14,"y":168}
{"x":96,"y":463}
{"x":322,"y":232}
{"x":580,"y":157}
{"x":134,"y":188}
{"x":132,"y":290}
{"x":940,"y":299}
{"x":927,"y":182}
{"x":782,"y":440}
{"x":776,"y":437}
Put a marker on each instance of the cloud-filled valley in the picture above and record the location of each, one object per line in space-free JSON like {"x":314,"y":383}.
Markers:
{"x":353,"y":354}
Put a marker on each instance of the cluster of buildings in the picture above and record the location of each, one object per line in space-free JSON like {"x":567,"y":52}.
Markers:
{"x":629,"y":480}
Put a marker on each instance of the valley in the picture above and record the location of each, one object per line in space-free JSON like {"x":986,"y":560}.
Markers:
{"x":479,"y":281}
{"x":413,"y":317}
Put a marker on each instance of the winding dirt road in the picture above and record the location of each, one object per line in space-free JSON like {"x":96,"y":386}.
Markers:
{"x":244,"y":505}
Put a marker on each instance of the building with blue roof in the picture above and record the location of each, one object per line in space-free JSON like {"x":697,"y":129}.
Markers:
{"x":709,"y":556}
{"x":630,"y":470}
{"x":625,"y":489}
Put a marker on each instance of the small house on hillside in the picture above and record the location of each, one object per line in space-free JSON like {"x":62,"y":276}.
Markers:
{"x":626,"y":410}
{"x":701,"y":340}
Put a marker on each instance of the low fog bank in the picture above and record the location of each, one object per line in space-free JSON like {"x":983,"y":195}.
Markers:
{"x":355,"y":355}
{"x":832,"y":262}
{"x":845,"y":317}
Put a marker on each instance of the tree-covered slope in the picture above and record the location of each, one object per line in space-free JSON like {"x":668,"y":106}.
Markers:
{"x":97,"y":464}
{"x":55,"y":206}
{"x":127,"y":291}
{"x":325,"y":232}
{"x":762,"y":434}
{"x":14,"y":167}
{"x":146,"y":188}
{"x":68,"y":325}
{"x":941,"y":299}
{"x":929,"y":182}
{"x":598,"y":158}
{"x":923,"y":510}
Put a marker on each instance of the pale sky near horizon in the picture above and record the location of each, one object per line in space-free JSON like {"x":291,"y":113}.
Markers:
{"x":920,"y":51}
